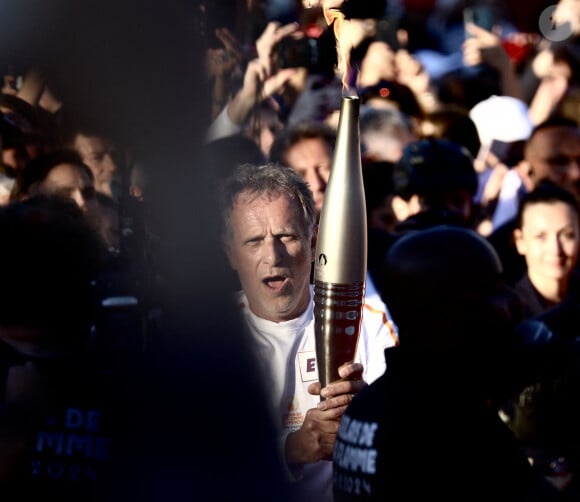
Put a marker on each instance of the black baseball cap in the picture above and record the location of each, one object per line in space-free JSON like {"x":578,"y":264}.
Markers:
{"x":434,"y":166}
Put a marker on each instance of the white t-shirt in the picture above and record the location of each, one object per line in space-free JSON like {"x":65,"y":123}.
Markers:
{"x":288,"y":352}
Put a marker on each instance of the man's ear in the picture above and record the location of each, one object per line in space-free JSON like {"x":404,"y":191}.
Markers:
{"x":136,"y":192}
{"x":400,"y":208}
{"x":526,"y":172}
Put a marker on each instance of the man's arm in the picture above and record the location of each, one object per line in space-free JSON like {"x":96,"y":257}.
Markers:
{"x":485,"y":47}
{"x":261,"y":80}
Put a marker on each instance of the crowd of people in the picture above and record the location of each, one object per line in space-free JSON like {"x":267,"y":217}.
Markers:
{"x":160,"y":237}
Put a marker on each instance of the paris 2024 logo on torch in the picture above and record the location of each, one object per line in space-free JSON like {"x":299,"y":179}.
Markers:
{"x":552,"y":28}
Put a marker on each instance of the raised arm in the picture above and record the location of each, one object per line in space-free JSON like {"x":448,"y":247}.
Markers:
{"x":486,"y":47}
{"x":262,"y":79}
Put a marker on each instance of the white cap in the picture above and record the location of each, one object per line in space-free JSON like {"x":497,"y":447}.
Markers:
{"x":502,"y":118}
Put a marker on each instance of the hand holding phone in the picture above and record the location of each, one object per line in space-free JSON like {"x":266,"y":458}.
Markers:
{"x":481,"y":16}
{"x":482,"y":44}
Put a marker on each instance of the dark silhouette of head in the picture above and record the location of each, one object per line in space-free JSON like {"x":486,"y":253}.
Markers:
{"x":445,"y":291}
{"x":50,"y":255}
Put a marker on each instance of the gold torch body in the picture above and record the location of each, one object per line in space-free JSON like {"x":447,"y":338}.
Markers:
{"x":341,"y":251}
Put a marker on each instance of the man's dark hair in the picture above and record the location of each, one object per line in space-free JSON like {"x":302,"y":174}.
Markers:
{"x":293,"y":134}
{"x":74,"y":124}
{"x":455,"y":124}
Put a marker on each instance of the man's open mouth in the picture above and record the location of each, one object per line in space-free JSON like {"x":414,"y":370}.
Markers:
{"x":275,"y":282}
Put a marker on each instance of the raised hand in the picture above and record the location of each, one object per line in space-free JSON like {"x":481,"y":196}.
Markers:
{"x":411,"y":72}
{"x":484,"y":46}
{"x":269,"y":39}
{"x":378,"y":64}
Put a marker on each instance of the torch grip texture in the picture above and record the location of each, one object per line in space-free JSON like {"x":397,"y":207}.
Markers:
{"x":337,"y":320}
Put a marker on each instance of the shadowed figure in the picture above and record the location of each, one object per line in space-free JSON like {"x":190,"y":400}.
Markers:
{"x":195,"y":423}
{"x":429,"y":426}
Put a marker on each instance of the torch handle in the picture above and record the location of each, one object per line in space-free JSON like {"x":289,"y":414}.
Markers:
{"x":337,"y":320}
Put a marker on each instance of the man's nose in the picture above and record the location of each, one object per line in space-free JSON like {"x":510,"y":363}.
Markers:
{"x":553,"y":244}
{"x":109,"y":163}
{"x":316,"y":182}
{"x":273,"y":251}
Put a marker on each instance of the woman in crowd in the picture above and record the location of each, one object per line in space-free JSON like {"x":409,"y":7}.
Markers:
{"x":547,"y":234}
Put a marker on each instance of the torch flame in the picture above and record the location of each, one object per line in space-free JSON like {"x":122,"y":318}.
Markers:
{"x":336,"y":16}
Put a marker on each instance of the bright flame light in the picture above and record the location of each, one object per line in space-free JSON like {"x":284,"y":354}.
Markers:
{"x":336,"y":16}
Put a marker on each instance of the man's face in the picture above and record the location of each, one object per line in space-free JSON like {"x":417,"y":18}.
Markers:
{"x":555,"y":154}
{"x":96,"y":153}
{"x":312,"y":159}
{"x":272,"y":253}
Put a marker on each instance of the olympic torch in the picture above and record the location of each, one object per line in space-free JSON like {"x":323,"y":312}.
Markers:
{"x":341,"y":251}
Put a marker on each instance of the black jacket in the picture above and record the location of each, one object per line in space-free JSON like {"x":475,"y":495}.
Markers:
{"x":424,"y":432}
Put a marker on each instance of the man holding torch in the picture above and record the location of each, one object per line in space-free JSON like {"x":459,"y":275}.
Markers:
{"x":269,"y":237}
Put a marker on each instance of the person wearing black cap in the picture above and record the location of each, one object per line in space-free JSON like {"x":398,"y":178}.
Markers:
{"x":428,"y":428}
{"x":434,"y":183}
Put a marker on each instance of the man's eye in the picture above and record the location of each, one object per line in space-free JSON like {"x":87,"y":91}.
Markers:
{"x":559,"y":161}
{"x":288,"y":238}
{"x":569,"y":236}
